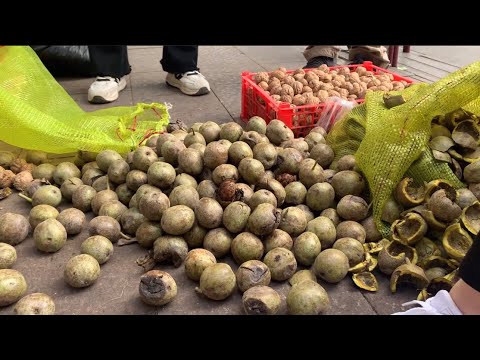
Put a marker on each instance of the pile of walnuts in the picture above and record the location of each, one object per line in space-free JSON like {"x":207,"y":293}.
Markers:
{"x":315,"y":86}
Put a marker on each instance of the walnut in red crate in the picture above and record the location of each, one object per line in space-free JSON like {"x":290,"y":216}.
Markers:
{"x":287,"y":90}
{"x":307,"y":89}
{"x":263,"y":85}
{"x":276,"y":90}
{"x":261,"y":76}
{"x":297,"y":87}
{"x":273,"y":82}
{"x":299,"y":100}
{"x":289,"y":80}
{"x":278,"y":74}
{"x":312,"y":100}
{"x":311,"y":76}
{"x":324,"y":67}
{"x":298,"y":77}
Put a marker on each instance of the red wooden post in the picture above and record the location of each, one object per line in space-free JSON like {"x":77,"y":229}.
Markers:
{"x":395,"y":56}
{"x":406,"y":48}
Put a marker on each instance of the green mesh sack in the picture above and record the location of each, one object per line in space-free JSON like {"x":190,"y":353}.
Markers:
{"x":389,"y":143}
{"x":36,"y":113}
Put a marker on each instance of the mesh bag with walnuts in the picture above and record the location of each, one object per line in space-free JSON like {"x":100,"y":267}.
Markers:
{"x":392,"y":143}
{"x":36,"y":113}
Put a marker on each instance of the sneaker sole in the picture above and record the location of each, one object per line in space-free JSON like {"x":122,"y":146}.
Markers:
{"x":202,"y":91}
{"x":105,"y":100}
{"x":100,"y":100}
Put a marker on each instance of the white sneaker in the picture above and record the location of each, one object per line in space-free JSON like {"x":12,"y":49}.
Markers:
{"x":190,"y":83}
{"x":440,"y":304}
{"x":105,"y":89}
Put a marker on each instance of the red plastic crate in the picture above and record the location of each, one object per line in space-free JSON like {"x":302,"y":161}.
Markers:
{"x":256,"y":102}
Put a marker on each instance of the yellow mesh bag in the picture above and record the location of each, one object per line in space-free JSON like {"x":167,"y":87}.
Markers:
{"x":389,"y":143}
{"x":36,"y":113}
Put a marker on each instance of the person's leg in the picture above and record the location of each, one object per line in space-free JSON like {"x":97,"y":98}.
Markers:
{"x":464,"y":296}
{"x":183,"y":73}
{"x":111,"y":65}
{"x":317,"y":55}
{"x":376,"y":54}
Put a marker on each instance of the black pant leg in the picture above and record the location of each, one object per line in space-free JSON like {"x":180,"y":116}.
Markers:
{"x":110,"y":60}
{"x":179,"y":59}
{"x":469,"y":270}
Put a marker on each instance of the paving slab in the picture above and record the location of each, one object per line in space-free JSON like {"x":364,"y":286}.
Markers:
{"x":188,"y":109}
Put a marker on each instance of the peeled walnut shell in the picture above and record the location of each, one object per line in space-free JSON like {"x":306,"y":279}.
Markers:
{"x":466,"y":134}
{"x":369,"y":264}
{"x":409,"y":229}
{"x":366,"y":281}
{"x":409,"y":274}
{"x":425,"y":248}
{"x":471,"y":218}
{"x":441,"y":143}
{"x":443,"y":205}
{"x":437,"y":262}
{"x":433,"y":223}
{"x":436,"y":185}
{"x":408,"y":195}
{"x":456,"y":241}
{"x":456,"y":169}
{"x":395,"y":254}
{"x":376,"y":247}
{"x":440,"y":130}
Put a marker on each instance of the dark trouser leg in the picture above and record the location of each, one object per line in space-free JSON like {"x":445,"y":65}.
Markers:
{"x":110,"y":60}
{"x":469,"y":270}
{"x":179,"y":59}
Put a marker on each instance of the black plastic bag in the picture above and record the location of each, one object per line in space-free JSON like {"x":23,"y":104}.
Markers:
{"x":67,"y":60}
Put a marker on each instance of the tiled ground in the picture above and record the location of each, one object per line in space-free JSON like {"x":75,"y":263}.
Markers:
{"x":116,"y":292}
